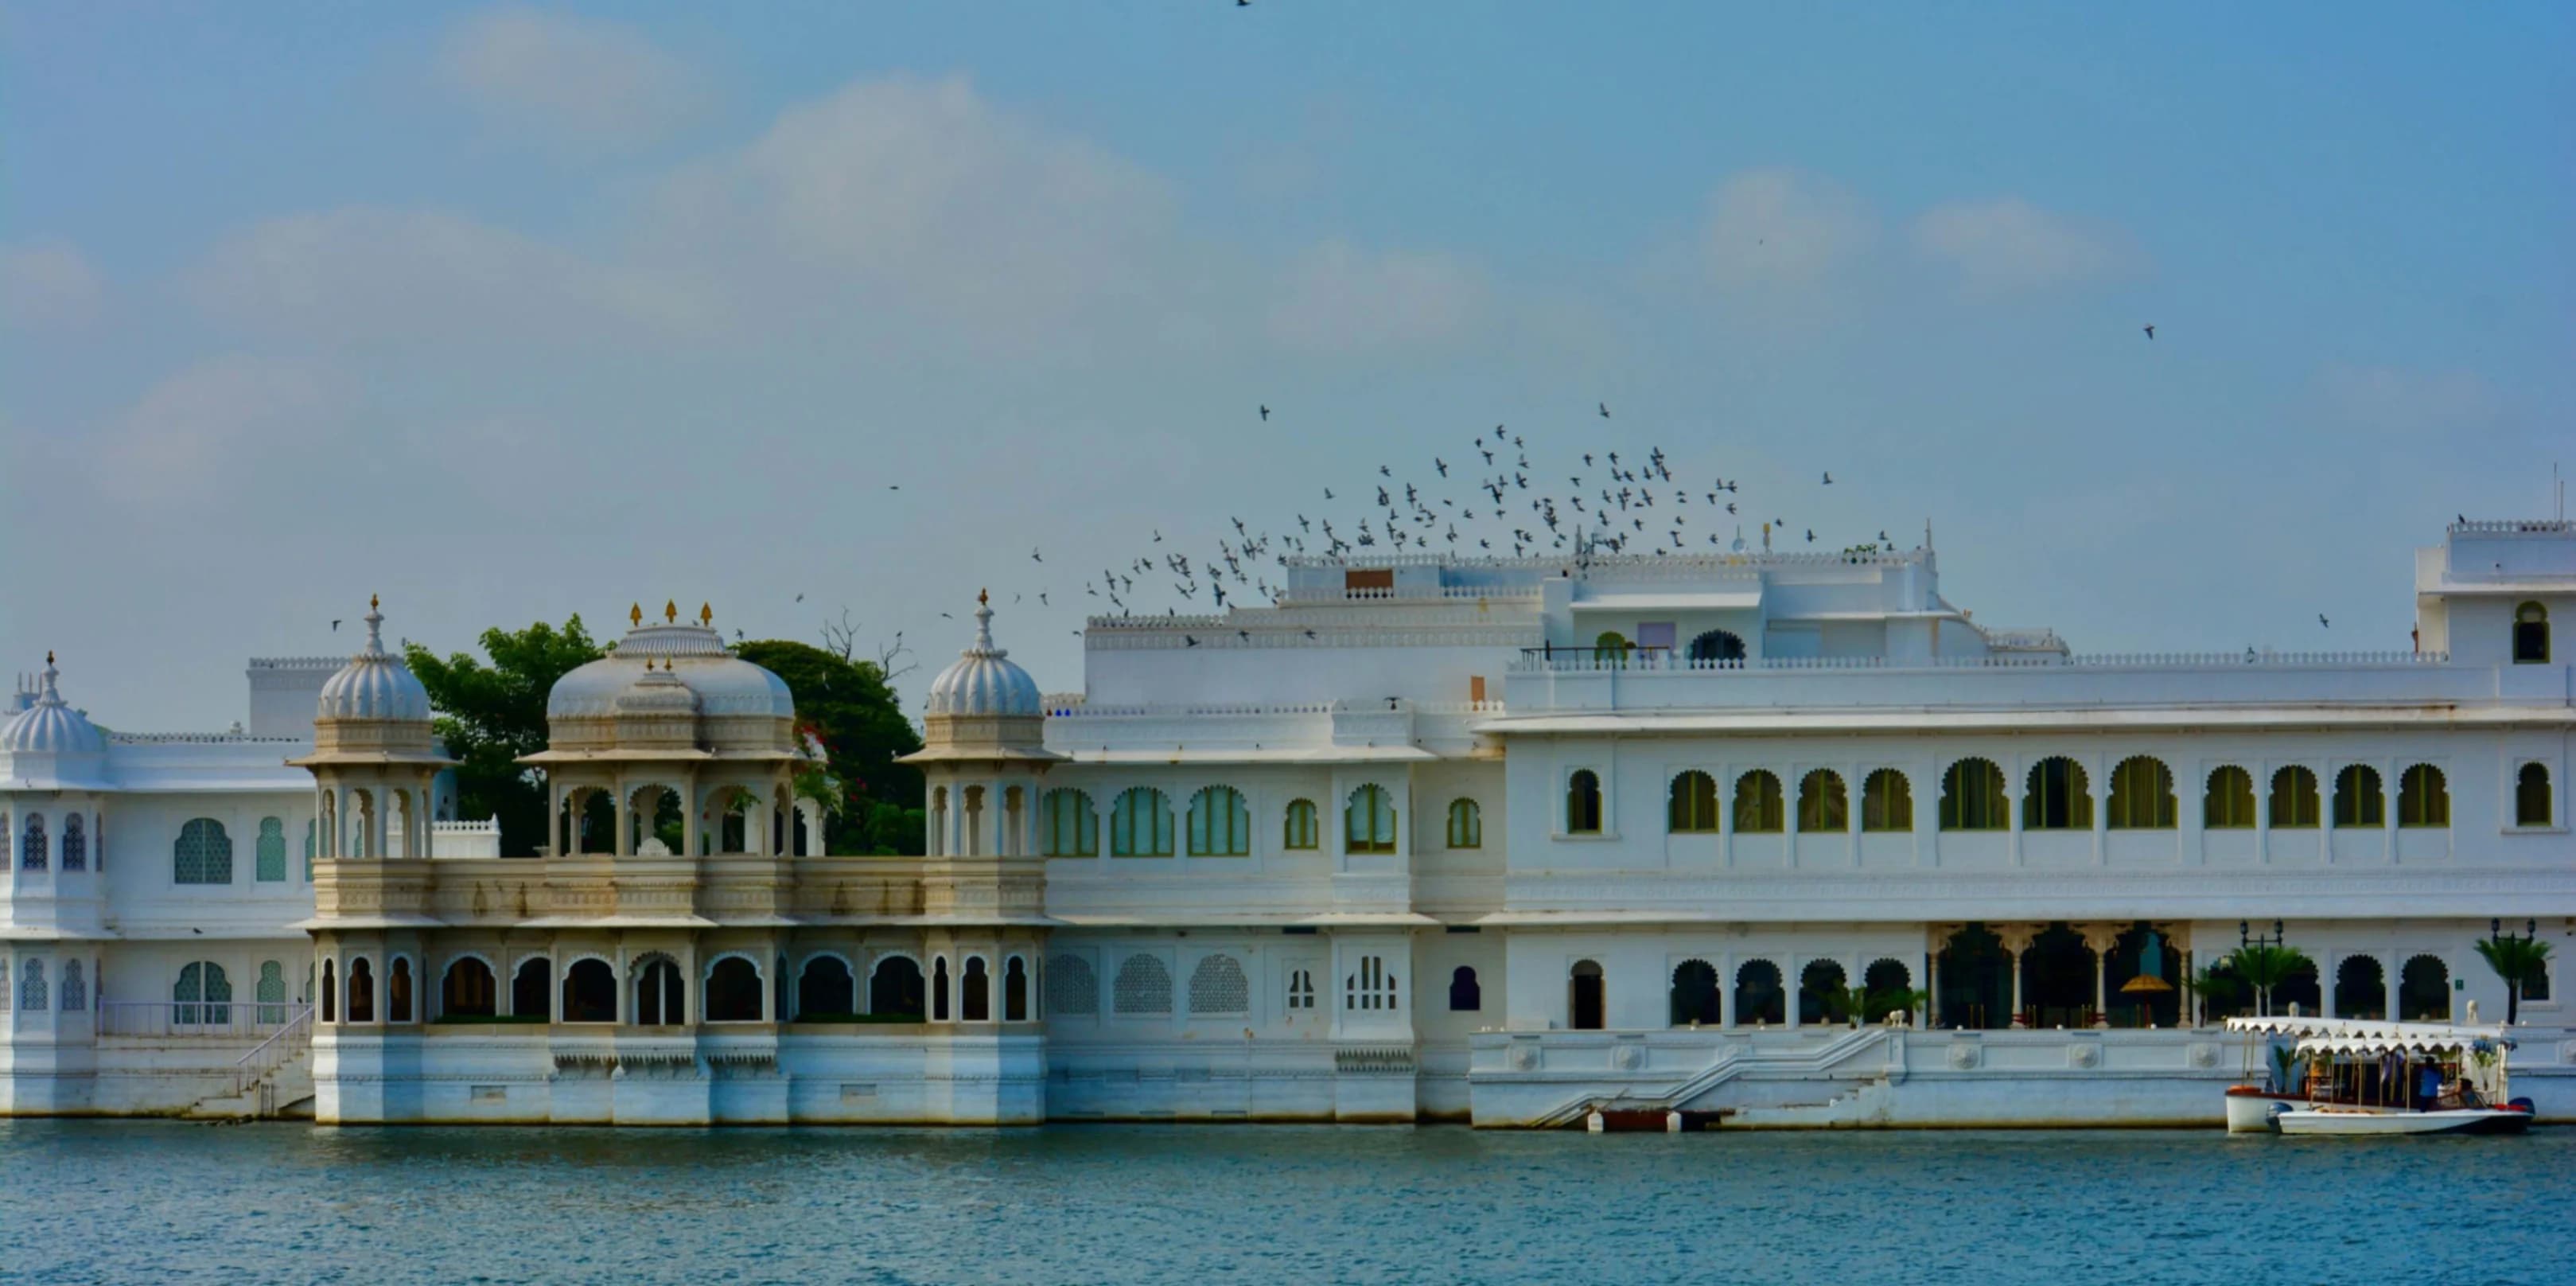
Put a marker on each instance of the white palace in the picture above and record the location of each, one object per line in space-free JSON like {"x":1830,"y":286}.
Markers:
{"x":1761,"y":839}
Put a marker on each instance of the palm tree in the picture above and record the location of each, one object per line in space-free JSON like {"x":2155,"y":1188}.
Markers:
{"x":2520,"y":962}
{"x":1888,"y":1000}
{"x":2264,"y":966}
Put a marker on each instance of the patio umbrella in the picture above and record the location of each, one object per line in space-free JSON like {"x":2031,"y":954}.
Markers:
{"x":2142,"y":986}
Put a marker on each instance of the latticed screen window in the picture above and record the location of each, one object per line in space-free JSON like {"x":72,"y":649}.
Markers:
{"x":1759,"y":809}
{"x":1693,"y":807}
{"x":1217,"y":986}
{"x":1067,"y":826}
{"x":1972,"y":797}
{"x":1140,"y":824}
{"x":271,"y":992}
{"x":1220,"y":823}
{"x":2229,"y":805}
{"x":1072,"y":989}
{"x":32,"y":844}
{"x":2142,"y":797}
{"x":1301,"y":989}
{"x":1370,"y":988}
{"x":272,"y":851}
{"x":1466,"y":824}
{"x":2423,"y":799}
{"x":1300,"y":829}
{"x":1822,"y":803}
{"x":2358,"y":800}
{"x":1886,"y":802}
{"x":2294,"y":799}
{"x":203,"y":854}
{"x":1369,"y":821}
{"x":202,"y":995}
{"x":31,"y":987}
{"x":1143,"y":986}
{"x":75,"y":844}
{"x":75,"y":996}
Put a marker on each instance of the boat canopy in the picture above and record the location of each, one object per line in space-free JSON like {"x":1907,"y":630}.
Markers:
{"x":2371,"y":1036}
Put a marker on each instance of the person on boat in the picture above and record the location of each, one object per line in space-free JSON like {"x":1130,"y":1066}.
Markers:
{"x":2428,"y":1086}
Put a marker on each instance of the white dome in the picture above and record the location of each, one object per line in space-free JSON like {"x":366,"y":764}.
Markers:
{"x":49,"y":727}
{"x":375,"y":684}
{"x":658,"y":692}
{"x":982,"y":681}
{"x":724,"y":684}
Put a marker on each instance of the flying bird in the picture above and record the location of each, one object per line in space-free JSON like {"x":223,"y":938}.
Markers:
{"x":2151,"y":331}
{"x":1605,"y":410}
{"x":1033,"y":555}
{"x":335,"y":627}
{"x":1265,"y":411}
{"x":800,"y":598}
{"x":1829,"y":477}
{"x":2321,"y":620}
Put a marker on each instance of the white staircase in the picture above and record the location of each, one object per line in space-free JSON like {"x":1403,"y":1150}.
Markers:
{"x":1732,"y":1061}
{"x":273,"y":1080}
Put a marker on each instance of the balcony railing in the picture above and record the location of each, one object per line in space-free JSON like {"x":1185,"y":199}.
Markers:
{"x":209,"y":1019}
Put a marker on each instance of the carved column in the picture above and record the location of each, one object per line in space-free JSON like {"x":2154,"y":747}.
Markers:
{"x":2016,"y":939}
{"x":2100,"y":939}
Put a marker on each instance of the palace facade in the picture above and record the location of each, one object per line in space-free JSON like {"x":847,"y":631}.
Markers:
{"x":1755,"y":838}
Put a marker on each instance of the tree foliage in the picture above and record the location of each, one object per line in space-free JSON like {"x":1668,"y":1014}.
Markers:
{"x":2521,"y":962}
{"x":875,"y":804}
{"x":491,"y":714}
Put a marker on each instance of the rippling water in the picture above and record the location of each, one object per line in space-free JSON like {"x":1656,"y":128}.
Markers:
{"x":131,"y":1201}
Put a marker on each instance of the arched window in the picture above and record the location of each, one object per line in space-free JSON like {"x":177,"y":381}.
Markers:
{"x":975,"y":992}
{"x":1692,"y":808}
{"x":939,"y":989}
{"x":1583,"y":803}
{"x":330,"y":994}
{"x":2530,"y":798}
{"x":532,"y":989}
{"x":1368,"y":821}
{"x":2142,"y":795}
{"x":362,"y":990}
{"x":826,"y":990}
{"x":1072,"y":989}
{"x":1370,"y":987}
{"x":1972,"y":797}
{"x":190,"y":992}
{"x":2531,"y":635}
{"x":1823,"y":993}
{"x":1759,"y":997}
{"x":661,"y":998}
{"x":2294,"y":799}
{"x":1300,"y":830}
{"x":1823,"y":805}
{"x":1465,"y":996}
{"x":1610,"y":647}
{"x":590,"y":992}
{"x":1301,"y":989}
{"x":1015,"y":990}
{"x":2228,"y":803}
{"x":203,"y":854}
{"x":1716,"y":648}
{"x":2422,"y":797}
{"x":897,"y":990}
{"x":1886,"y":802}
{"x":75,"y":997}
{"x":2361,"y":989}
{"x":733,"y":991}
{"x":1220,"y":823}
{"x":1217,"y":986}
{"x":1584,"y":999}
{"x":1466,"y":824}
{"x":2057,"y":798}
{"x":31,"y":987}
{"x":32,"y":854}
{"x":2424,"y":991}
{"x":398,"y":991}
{"x":1068,"y":827}
{"x":1759,"y":807}
{"x":1694,"y":994}
{"x":467,"y":991}
{"x":1885,"y":984}
{"x":2358,"y":800}
{"x":1140,"y":824}
{"x":1143,"y":987}
{"x":75,"y":852}
{"x":309,"y":828}
{"x":270,"y":865}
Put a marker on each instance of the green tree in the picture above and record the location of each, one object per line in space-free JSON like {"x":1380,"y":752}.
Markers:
{"x":2520,"y":962}
{"x":491,"y":714}
{"x":872,"y":804}
{"x":2264,"y":966}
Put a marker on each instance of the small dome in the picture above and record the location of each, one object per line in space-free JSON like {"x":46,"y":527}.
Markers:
{"x":375,"y":684}
{"x":49,"y":727}
{"x":983,"y":682}
{"x":695,"y":655}
{"x":659,"y":692}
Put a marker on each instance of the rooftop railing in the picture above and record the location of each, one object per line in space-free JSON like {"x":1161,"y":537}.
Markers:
{"x":1587,"y":660}
{"x":2512,"y":526}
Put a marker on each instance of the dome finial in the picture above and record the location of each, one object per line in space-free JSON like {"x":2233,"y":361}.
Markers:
{"x":635,"y":616}
{"x":373,"y":602}
{"x":671,"y":611}
{"x":706,"y":614}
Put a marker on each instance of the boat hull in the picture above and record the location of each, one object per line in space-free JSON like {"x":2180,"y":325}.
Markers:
{"x":2250,"y":1111}
{"x":2364,"y":1122}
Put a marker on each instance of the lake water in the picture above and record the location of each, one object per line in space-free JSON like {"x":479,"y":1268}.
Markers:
{"x":135,"y":1201}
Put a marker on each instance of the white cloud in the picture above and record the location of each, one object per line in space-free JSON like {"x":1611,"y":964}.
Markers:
{"x":568,"y":79}
{"x":1775,"y":228}
{"x":1337,"y":299}
{"x":47,"y":285}
{"x":204,"y":430}
{"x":362,"y":272}
{"x":2009,"y":246}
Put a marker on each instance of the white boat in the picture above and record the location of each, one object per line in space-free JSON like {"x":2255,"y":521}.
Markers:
{"x":2367,"y":1077}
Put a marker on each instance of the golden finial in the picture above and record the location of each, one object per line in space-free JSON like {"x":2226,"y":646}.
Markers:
{"x":372,"y":603}
{"x":49,"y":656}
{"x":983,"y":598}
{"x":671,"y":611}
{"x":706,"y":614}
{"x":635,"y":616}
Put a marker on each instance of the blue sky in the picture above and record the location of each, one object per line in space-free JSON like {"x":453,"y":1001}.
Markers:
{"x":509,"y":313}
